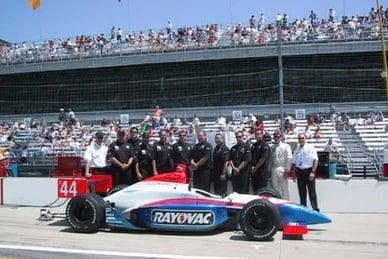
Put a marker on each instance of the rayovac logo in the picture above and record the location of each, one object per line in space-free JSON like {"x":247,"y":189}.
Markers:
{"x":175,"y":217}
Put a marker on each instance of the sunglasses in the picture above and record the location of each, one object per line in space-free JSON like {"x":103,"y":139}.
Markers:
{"x":134,"y":132}
{"x":239,"y":136}
{"x":301,"y":138}
{"x":182,"y":135}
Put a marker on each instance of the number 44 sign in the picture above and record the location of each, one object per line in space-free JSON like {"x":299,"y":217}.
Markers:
{"x":70,"y":187}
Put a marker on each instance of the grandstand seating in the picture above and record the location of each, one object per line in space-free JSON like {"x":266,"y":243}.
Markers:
{"x":359,"y":143}
{"x":374,"y":136}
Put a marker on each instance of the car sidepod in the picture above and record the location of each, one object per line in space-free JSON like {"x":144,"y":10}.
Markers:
{"x":195,"y":217}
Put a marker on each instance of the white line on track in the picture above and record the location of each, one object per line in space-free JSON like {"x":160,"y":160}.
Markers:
{"x":98,"y":252}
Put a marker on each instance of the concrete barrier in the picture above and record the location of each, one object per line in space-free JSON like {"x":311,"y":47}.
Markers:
{"x":354,"y":196}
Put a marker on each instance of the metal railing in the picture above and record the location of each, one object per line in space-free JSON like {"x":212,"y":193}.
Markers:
{"x":376,"y":161}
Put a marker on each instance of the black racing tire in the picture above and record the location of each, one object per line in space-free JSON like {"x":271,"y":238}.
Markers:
{"x":116,"y":189}
{"x":86,"y":213}
{"x":267,"y":191}
{"x":259,"y":220}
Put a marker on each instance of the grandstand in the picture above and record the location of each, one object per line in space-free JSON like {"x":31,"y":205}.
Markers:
{"x":211,"y":73}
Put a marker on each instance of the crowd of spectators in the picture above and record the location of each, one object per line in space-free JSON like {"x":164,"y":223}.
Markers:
{"x":212,"y":35}
{"x":344,"y":121}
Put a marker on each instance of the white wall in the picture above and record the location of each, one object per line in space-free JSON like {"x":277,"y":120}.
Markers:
{"x":354,"y":196}
{"x":30,"y":191}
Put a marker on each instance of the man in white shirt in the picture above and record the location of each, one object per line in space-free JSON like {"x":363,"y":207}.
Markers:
{"x":95,"y":156}
{"x":280,"y":163}
{"x":306,"y":162}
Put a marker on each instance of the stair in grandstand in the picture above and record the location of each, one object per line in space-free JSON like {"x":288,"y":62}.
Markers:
{"x":356,"y":155}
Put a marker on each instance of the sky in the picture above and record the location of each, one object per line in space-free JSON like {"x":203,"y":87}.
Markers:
{"x":57,"y":19}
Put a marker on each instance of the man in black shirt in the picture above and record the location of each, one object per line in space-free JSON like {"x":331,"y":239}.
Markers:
{"x":260,"y":159}
{"x":162,"y":161}
{"x":181,"y":152}
{"x":121,"y":155}
{"x":200,"y":162}
{"x":144,"y":159}
{"x":134,"y":139}
{"x":220,"y":164}
{"x":240,"y":157}
{"x":181,"y":149}
{"x":135,"y":142}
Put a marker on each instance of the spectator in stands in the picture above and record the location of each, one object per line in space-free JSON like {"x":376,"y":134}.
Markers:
{"x":95,"y":156}
{"x":280,"y":164}
{"x":260,"y":152}
{"x":200,"y":162}
{"x":156,"y":116}
{"x":308,"y":132}
{"x":313,"y":17}
{"x":261,"y":23}
{"x":257,"y":126}
{"x":252,"y":22}
{"x":112,"y":33}
{"x":288,"y":125}
{"x":331,"y":15}
{"x":240,"y":158}
{"x":220,"y":164}
{"x":221,"y":121}
{"x":119,"y":35}
{"x":251,"y":118}
{"x":177,"y":121}
{"x":331,"y":146}
{"x":196,"y":123}
{"x":311,"y":121}
{"x":371,"y":119}
{"x":162,"y":160}
{"x":62,"y":116}
{"x":317,"y":132}
{"x":306,"y":161}
{"x":277,"y":119}
{"x":121,"y":155}
{"x":360,"y":120}
{"x":379,"y":116}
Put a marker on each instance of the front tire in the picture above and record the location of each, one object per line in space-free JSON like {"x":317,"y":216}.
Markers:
{"x":259,"y":220}
{"x":86,"y":213}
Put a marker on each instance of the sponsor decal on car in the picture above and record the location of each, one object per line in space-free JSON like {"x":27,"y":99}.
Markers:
{"x":179,"y":217}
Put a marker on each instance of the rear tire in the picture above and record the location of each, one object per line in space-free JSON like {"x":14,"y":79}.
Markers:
{"x":259,"y":220}
{"x":267,"y":191}
{"x":86,"y":213}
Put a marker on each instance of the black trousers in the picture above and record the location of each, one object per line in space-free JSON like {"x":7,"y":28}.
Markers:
{"x":201,"y":179}
{"x":240,"y":182}
{"x":302,"y":176}
{"x":259,"y":179}
{"x":220,"y":186}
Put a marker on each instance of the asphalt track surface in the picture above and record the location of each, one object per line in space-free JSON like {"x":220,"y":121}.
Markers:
{"x":22,"y":235}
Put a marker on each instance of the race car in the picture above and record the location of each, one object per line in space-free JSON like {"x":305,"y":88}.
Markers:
{"x":167,"y":203}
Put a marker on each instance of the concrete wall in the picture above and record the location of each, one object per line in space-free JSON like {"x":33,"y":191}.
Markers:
{"x":30,"y":191}
{"x":354,"y":196}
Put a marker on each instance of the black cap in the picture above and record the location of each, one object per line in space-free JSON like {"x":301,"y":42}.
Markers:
{"x":99,"y":134}
{"x":267,"y":137}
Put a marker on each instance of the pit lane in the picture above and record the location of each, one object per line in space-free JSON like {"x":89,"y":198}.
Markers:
{"x":23,"y":235}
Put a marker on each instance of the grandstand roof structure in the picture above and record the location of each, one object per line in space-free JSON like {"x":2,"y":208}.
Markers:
{"x":3,"y":42}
